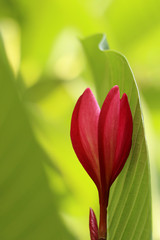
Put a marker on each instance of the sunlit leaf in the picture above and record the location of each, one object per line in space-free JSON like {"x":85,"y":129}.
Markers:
{"x":41,"y":89}
{"x":29,"y":209}
{"x":129,"y":211}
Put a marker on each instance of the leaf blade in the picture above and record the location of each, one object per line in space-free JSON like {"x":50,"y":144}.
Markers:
{"x":110,"y":68}
{"x":28,"y":206}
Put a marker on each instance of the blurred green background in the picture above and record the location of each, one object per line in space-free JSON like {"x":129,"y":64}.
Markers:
{"x":41,"y":182}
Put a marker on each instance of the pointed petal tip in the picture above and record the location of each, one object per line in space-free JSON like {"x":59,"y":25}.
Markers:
{"x":114,"y":91}
{"x":91,"y":212}
{"x":124,"y":97}
{"x":93,"y":225}
{"x":115,"y":87}
{"x":88,"y":91}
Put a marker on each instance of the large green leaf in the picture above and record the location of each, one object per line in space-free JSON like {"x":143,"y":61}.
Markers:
{"x":29,"y":208}
{"x":129,"y":211}
{"x":41,"y":89}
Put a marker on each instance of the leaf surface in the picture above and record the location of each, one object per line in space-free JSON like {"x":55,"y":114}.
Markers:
{"x":129,"y":210}
{"x":29,"y":208}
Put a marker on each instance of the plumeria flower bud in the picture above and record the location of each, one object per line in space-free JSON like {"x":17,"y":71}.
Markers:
{"x":102,"y":140}
{"x":93,"y":227}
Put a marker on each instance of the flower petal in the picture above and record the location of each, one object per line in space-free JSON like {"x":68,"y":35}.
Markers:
{"x":124,"y":138}
{"x":84,"y":134}
{"x":93,"y":227}
{"x":107,"y":134}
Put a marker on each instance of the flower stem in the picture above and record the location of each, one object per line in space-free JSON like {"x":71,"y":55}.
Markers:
{"x":102,"y":234}
{"x":103,"y":223}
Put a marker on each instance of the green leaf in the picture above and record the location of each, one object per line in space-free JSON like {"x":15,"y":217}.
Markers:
{"x":29,"y":208}
{"x":41,"y":89}
{"x":129,"y":210}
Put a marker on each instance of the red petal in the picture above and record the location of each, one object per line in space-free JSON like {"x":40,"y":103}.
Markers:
{"x":124,"y":138}
{"x":93,"y":225}
{"x":107,"y":134}
{"x":84,"y":134}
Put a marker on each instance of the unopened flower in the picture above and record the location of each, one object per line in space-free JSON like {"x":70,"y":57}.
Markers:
{"x":93,"y":225}
{"x":102,"y":141}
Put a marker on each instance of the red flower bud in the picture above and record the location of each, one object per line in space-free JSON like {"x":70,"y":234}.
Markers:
{"x":102,"y":141}
{"x":93,"y":225}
